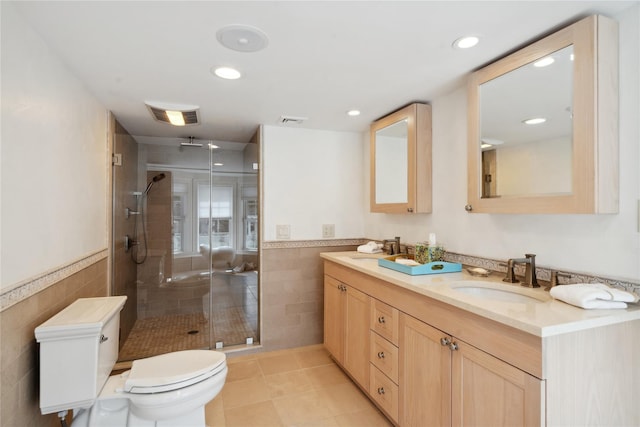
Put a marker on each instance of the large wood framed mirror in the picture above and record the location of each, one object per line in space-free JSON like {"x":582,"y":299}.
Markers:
{"x":542,"y":123}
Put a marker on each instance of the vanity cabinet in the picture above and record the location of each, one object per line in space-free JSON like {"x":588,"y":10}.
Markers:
{"x":346,"y":328}
{"x":435,"y":363}
{"x":447,"y":381}
{"x":400,"y":150}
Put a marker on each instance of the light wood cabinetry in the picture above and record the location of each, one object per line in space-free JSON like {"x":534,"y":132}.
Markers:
{"x":486,"y":391}
{"x":346,"y":323}
{"x":425,"y":368}
{"x":401,"y":161}
{"x":455,"y":367}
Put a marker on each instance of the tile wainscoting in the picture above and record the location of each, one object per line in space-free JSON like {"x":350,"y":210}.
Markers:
{"x":25,"y":308}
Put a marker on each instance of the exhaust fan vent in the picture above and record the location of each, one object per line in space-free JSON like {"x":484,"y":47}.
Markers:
{"x":291,"y":120}
{"x":177,"y":115}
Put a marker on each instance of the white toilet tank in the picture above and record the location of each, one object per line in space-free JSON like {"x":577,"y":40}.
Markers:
{"x":78,"y":349}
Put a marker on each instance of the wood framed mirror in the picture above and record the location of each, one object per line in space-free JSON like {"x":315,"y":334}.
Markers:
{"x":542,"y":125}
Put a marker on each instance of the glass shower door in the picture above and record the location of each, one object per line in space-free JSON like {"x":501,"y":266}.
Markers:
{"x":191,"y":265}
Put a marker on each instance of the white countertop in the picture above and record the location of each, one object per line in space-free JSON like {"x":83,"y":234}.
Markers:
{"x":540,"y":318}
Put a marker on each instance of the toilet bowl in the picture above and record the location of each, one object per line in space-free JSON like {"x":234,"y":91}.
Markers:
{"x":81,"y":343}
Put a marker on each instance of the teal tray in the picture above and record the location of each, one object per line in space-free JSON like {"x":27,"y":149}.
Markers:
{"x":435,"y":267}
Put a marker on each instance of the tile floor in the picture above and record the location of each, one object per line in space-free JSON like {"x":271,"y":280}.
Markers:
{"x":299,"y":387}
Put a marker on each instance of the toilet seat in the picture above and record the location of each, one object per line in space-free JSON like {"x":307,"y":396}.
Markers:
{"x":172,"y":371}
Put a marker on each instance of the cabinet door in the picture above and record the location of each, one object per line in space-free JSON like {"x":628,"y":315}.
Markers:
{"x":489,"y":392}
{"x":425,"y":375}
{"x":356,"y":354}
{"x":334,"y":317}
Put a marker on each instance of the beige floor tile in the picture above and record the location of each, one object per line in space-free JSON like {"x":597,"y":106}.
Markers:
{"x":344,"y":398}
{"x":313,"y":357}
{"x":366,"y":418}
{"x":326,"y":375}
{"x":325,"y":422}
{"x":214,"y":413}
{"x":278,"y":364}
{"x":244,"y":370}
{"x":301,"y":408}
{"x":244,"y":392}
{"x":287,"y":383}
{"x":262,"y":414}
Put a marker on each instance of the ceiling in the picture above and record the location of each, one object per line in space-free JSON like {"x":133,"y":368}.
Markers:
{"x":322,"y":58}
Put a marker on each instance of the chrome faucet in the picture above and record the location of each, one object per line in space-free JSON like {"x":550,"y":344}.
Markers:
{"x":530,"y":279}
{"x":394,"y":248}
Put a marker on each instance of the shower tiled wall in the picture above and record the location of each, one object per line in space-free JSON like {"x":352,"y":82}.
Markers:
{"x":19,"y":352}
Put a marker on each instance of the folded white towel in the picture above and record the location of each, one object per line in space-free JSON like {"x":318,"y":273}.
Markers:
{"x":593,"y":295}
{"x":370,"y":248}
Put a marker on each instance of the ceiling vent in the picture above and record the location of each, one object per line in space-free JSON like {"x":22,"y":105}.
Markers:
{"x":291,"y":120}
{"x":176,"y":115}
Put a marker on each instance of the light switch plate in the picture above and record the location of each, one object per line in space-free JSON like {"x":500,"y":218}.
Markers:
{"x":328,"y":230}
{"x":283,"y":232}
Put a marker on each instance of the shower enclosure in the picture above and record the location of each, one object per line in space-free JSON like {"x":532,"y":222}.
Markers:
{"x":185,"y":234}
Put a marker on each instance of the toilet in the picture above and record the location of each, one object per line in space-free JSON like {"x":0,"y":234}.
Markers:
{"x":78,"y":350}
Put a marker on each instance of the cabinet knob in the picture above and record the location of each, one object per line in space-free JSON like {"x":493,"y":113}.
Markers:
{"x":381,"y":319}
{"x":381,"y":355}
{"x":103,"y":338}
{"x":410,"y":210}
{"x":380,"y":390}
{"x":453,"y":346}
{"x":468,"y":208}
{"x":445,"y":341}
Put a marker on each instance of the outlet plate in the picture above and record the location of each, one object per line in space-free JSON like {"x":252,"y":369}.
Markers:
{"x":328,"y":230}
{"x":283,"y":232}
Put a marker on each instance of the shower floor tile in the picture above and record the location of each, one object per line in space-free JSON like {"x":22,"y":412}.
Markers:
{"x":159,"y":335}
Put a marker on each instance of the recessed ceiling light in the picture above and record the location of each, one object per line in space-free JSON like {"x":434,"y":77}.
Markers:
{"x":466,"y":42}
{"x":227,"y":73}
{"x":218,"y":164}
{"x":547,"y":60}
{"x":353,"y":113}
{"x":534,"y":121}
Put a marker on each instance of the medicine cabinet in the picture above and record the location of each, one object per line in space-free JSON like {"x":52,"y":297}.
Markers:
{"x":543,"y":125}
{"x":401,"y":161}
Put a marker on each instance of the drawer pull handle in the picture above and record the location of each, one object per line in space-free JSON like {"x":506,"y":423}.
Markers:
{"x":381,"y":319}
{"x":380,"y":390}
{"x":445,"y":341}
{"x":381,"y":355}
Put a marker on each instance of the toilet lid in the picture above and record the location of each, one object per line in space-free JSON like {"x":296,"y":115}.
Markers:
{"x":172,"y":371}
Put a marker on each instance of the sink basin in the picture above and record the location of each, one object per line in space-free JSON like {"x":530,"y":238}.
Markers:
{"x":499,"y":292}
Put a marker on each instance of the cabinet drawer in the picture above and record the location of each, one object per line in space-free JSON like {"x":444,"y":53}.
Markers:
{"x":384,"y":320}
{"x":384,"y":392}
{"x":384,"y":356}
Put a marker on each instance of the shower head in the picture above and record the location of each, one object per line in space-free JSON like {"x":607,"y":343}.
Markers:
{"x":155,"y":179}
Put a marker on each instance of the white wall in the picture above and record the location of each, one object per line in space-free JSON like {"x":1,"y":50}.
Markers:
{"x":310,"y":178}
{"x":53,"y":159}
{"x":315,"y":177}
{"x":607,"y":245}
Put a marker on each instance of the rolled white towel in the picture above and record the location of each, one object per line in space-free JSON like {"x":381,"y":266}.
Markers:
{"x":370,"y":248}
{"x":592,"y":295}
